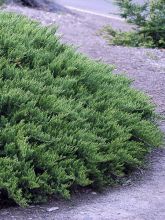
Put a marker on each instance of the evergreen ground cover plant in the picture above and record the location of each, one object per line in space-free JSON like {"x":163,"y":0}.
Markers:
{"x":149,"y":19}
{"x":65,"y":121}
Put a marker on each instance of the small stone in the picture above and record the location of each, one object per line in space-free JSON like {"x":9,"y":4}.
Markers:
{"x":5,"y":213}
{"x":94,"y":193}
{"x":87,"y":218}
{"x":52,"y":209}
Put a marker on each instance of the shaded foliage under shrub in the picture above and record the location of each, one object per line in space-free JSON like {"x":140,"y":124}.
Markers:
{"x":65,"y":120}
{"x":2,"y":2}
{"x":31,"y":3}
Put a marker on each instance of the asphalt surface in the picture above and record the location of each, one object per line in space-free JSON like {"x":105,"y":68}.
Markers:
{"x":106,"y":7}
{"x":98,"y":6}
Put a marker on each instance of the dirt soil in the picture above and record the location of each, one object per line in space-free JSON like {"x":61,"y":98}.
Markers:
{"x":141,"y":197}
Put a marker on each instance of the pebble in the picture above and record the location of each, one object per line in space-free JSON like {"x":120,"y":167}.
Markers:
{"x":52,"y":209}
{"x":5,"y":213}
{"x":94,"y":193}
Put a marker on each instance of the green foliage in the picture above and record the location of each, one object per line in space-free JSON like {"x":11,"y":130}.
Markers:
{"x":134,"y":12}
{"x":131,"y":38}
{"x":65,"y":120}
{"x":150,"y":19}
{"x":2,"y":2}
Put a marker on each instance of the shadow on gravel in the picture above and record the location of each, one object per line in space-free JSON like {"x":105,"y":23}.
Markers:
{"x":46,"y":5}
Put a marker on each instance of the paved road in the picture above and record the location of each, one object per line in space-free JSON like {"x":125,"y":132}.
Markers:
{"x":97,"y":6}
{"x":105,"y":7}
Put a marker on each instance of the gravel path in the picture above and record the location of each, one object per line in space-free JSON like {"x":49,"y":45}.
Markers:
{"x":144,"y":198}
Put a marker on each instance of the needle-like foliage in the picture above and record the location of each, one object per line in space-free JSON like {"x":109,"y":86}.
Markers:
{"x":65,"y":120}
{"x":150,"y":20}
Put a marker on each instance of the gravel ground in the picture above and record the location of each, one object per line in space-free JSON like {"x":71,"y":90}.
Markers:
{"x":144,"y":198}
